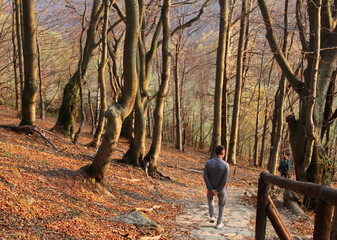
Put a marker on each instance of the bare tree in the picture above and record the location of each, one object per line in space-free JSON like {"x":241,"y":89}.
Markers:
{"x":277,"y":120}
{"x":153,"y":154}
{"x":238,"y":89}
{"x":119,"y":111}
{"x":219,"y":76}
{"x":101,"y":79}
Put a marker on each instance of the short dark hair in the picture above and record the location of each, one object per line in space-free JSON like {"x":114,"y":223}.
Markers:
{"x":219,"y":149}
{"x":288,"y":154}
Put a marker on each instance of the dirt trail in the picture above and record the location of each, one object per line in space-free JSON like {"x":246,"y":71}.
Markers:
{"x":239,"y":219}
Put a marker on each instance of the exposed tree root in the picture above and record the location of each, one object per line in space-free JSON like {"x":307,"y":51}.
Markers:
{"x":185,"y":169}
{"x":291,"y":201}
{"x":30,"y":130}
{"x":99,"y":186}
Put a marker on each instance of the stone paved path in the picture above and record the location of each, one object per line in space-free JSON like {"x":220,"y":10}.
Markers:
{"x":238,"y":218}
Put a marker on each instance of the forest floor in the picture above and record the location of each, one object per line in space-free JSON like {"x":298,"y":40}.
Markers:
{"x":45,"y":195}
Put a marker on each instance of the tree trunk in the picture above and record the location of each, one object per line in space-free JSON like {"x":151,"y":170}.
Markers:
{"x":68,"y":111}
{"x":219,"y":76}
{"x":256,"y":138}
{"x":136,"y":152}
{"x":225,"y":92}
{"x":149,"y":122}
{"x":91,"y":113}
{"x":277,"y":121}
{"x":238,"y":89}
{"x":127,"y":127}
{"x":119,"y":111}
{"x":263,"y":142}
{"x":42,"y":105}
{"x":15,"y":63}
{"x":30,"y":66}
{"x":177,"y":100}
{"x":19,"y":37}
{"x":82,"y":113}
{"x":153,"y":154}
{"x":101,"y":79}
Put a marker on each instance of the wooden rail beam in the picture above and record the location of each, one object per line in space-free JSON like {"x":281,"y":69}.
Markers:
{"x":276,"y":220}
{"x":322,"y":192}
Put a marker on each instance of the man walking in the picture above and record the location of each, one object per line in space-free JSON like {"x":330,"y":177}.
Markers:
{"x":216,"y":175}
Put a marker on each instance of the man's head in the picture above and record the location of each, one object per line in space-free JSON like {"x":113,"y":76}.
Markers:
{"x":220,"y":151}
{"x":288,"y":154}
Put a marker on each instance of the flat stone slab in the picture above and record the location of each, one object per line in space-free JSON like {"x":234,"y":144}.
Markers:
{"x":139,"y":219}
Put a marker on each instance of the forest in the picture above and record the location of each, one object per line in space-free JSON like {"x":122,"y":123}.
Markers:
{"x":129,"y":87}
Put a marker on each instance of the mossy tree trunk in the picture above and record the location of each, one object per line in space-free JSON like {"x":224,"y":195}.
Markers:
{"x":153,"y":154}
{"x":30,"y":63}
{"x":119,"y":111}
{"x":68,"y":112}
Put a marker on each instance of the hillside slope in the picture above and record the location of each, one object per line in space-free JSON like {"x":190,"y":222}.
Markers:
{"x":44,"y":194}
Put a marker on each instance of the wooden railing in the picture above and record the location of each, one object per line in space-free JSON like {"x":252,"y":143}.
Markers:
{"x":326,"y":197}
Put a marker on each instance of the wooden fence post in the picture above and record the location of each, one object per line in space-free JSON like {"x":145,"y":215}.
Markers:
{"x":323,"y":215}
{"x":261,"y":210}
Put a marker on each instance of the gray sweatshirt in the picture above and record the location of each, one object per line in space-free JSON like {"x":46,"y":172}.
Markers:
{"x":216,"y":173}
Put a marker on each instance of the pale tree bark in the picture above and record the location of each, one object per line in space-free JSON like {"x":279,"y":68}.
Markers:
{"x":101,"y":79}
{"x":68,"y":112}
{"x":30,"y":64}
{"x":219,"y":76}
{"x":153,"y":154}
{"x":119,"y":111}
{"x":238,"y":89}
